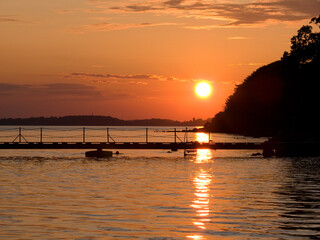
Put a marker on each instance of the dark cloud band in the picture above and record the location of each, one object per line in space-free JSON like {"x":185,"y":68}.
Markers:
{"x":236,"y":14}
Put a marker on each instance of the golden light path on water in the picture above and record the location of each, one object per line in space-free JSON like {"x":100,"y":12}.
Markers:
{"x":201,"y":182}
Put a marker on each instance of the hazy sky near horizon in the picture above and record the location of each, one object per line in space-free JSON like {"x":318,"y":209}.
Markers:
{"x":136,"y":59}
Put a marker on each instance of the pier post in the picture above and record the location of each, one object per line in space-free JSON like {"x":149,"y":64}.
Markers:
{"x":41,"y":135}
{"x":186,"y":134}
{"x":84,"y":135}
{"x":175,"y":135}
{"x":209,"y":136}
{"x":108,"y":140}
{"x":146,"y":135}
{"x":19,"y":136}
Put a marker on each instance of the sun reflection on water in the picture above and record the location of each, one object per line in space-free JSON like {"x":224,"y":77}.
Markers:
{"x":203,"y":156}
{"x":201,"y":203}
{"x":201,"y":182}
{"x":196,"y":237}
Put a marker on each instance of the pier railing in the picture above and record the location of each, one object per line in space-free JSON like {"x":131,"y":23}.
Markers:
{"x":94,"y":134}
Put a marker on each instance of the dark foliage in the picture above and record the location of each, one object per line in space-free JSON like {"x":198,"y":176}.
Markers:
{"x":281,"y":98}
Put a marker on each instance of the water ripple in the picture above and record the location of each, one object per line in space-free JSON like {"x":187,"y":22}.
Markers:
{"x":132,"y":197}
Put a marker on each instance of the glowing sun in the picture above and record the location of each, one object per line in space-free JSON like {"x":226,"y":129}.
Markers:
{"x":203,"y":89}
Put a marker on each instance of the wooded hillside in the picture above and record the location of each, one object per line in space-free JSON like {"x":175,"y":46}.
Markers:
{"x":279,"y":99}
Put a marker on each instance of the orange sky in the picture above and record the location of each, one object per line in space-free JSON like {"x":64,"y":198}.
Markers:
{"x":136,"y":59}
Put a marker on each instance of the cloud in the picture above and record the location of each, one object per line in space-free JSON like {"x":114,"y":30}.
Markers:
{"x":173,"y":2}
{"x":70,"y":11}
{"x":139,"y":8}
{"x":106,"y":27}
{"x":121,"y":96}
{"x":230,"y":13}
{"x":70,"y":89}
{"x":238,"y":38}
{"x":125,"y":77}
{"x":8,"y":87}
{"x":97,"y":66}
{"x":138,"y":83}
{"x":54,"y":89}
{"x":234,"y":83}
{"x":116,"y":76}
{"x":61,"y":91}
{"x":245,"y":64}
{"x":126,"y":81}
{"x":10,"y":19}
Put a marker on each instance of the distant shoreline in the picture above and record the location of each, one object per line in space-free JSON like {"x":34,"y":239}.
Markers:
{"x":89,"y":120}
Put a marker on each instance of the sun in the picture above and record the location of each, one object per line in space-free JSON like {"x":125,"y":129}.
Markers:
{"x":203,"y":89}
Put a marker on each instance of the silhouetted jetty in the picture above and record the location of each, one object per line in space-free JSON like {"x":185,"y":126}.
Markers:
{"x":269,"y":148}
{"x":128,"y":145}
{"x":283,"y":149}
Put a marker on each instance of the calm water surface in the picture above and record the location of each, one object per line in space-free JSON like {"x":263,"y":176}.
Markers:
{"x":158,"y":195}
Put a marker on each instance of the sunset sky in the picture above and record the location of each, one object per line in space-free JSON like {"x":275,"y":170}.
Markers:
{"x":135,"y":59}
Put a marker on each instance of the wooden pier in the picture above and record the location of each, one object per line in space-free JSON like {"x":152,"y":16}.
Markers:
{"x":99,"y":147}
{"x":39,"y":139}
{"x":170,"y":139}
{"x":128,"y":145}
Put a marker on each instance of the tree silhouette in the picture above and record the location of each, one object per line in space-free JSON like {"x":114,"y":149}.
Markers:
{"x":281,"y":98}
{"x":305,"y":46}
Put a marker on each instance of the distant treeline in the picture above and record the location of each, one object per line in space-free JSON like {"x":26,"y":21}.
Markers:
{"x":96,"y":121}
{"x":280,"y":99}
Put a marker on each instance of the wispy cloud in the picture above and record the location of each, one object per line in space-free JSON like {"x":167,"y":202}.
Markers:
{"x":56,"y":89}
{"x":97,"y":66}
{"x":238,"y":38}
{"x":125,"y":78}
{"x":10,"y":19}
{"x":67,"y":91}
{"x":224,"y":13}
{"x":245,"y":64}
{"x":106,"y":26}
{"x":8,"y":87}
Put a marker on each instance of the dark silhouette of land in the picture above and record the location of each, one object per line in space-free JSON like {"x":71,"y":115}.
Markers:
{"x":282,"y":99}
{"x":96,"y":121}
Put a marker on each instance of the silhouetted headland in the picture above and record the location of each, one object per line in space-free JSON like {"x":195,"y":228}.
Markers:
{"x":279,"y":100}
{"x":91,"y":120}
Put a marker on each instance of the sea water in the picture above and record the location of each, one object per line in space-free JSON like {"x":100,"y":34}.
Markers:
{"x":155,"y":194}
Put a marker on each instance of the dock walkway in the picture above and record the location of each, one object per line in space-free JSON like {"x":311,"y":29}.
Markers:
{"x":144,"y":138}
{"x":128,"y":145}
